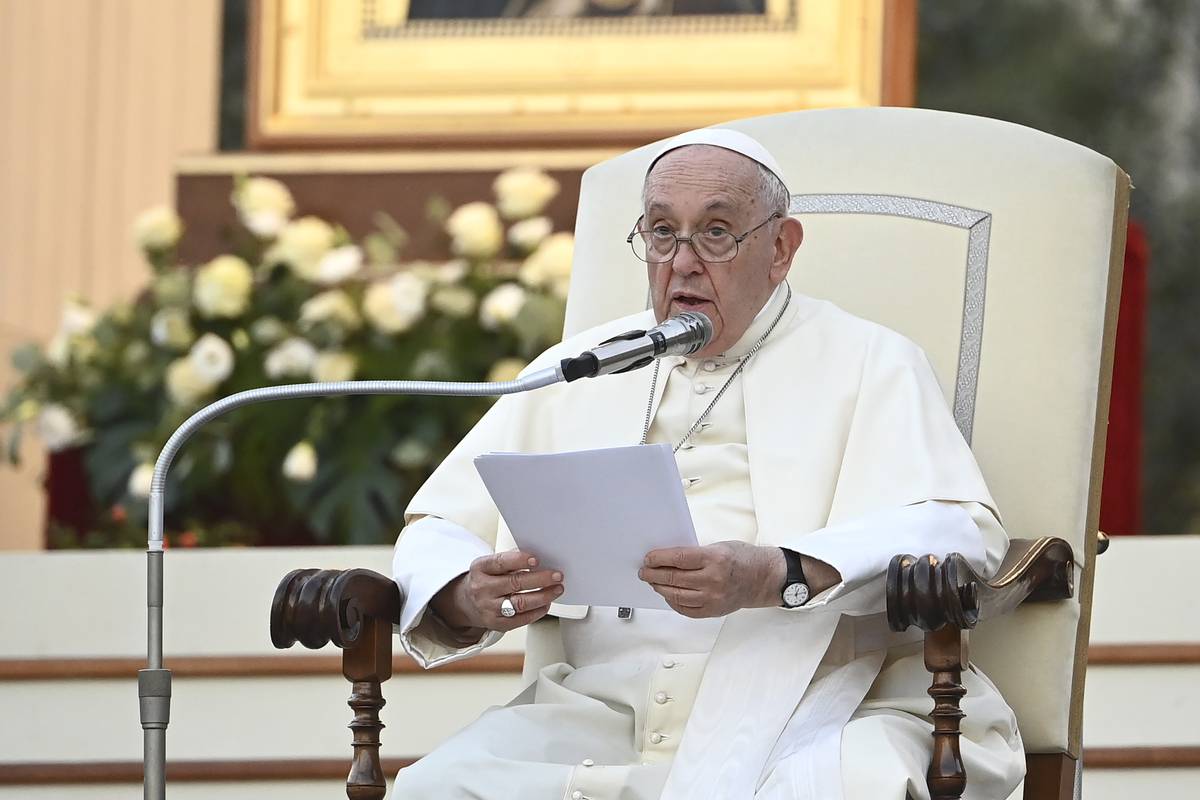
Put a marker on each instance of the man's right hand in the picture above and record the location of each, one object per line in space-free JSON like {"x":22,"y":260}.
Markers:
{"x":471,"y":602}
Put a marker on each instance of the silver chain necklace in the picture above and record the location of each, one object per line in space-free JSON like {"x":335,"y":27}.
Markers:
{"x":741,"y":365}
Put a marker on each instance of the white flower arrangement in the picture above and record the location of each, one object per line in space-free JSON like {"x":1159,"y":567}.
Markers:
{"x":300,"y":301}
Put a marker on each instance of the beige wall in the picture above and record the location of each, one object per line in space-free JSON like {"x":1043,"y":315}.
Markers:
{"x":97,"y":99}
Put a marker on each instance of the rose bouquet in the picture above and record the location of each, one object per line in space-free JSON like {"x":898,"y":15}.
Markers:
{"x":301,"y":302}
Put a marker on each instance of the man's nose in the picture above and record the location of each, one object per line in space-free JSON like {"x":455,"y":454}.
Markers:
{"x":686,"y":261}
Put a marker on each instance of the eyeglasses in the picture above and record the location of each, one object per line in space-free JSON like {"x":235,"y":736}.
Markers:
{"x":714,"y":245}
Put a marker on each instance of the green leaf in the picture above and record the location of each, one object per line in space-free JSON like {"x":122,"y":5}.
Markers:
{"x":437,"y":209}
{"x":27,"y":358}
{"x":379,"y":250}
{"x":14,"y":445}
{"x":395,"y":235}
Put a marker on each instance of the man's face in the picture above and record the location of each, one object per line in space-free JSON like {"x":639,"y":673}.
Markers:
{"x":699,"y":188}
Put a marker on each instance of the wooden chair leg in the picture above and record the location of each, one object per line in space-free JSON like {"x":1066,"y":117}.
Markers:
{"x":367,"y":664}
{"x":946,"y":658}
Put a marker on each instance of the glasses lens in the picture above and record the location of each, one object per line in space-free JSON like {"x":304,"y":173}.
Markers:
{"x":654,"y":247}
{"x":715,"y":245}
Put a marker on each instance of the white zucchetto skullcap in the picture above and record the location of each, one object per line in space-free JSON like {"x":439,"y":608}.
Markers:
{"x":725,"y":138}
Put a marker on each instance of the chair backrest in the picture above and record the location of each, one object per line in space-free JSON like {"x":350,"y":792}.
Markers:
{"x":995,"y":247}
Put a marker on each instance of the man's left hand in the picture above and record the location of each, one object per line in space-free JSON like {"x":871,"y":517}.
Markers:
{"x":717,"y":579}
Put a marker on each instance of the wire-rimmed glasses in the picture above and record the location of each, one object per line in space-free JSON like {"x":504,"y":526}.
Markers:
{"x":714,"y":245}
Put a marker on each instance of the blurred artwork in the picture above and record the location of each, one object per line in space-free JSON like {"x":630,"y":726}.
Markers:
{"x":562,"y":73}
{"x":494,"y":9}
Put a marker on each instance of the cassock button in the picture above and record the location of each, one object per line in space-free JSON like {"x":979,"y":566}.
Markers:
{"x":702,"y":388}
{"x":668,"y":663}
{"x":587,"y":762}
{"x":576,"y":795}
{"x":710,"y":366}
{"x":661,"y":697}
{"x":656,"y":738}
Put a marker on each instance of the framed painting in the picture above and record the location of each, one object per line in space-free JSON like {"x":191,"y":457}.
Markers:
{"x":505,"y":73}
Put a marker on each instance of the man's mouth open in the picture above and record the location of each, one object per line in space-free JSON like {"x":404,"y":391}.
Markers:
{"x":689,"y":302}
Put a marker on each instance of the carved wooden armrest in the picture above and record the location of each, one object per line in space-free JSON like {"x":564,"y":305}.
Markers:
{"x":931,"y":594}
{"x":355,"y":609}
{"x":945,"y":598}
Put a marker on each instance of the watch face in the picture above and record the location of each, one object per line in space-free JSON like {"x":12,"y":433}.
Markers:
{"x":795,"y":594}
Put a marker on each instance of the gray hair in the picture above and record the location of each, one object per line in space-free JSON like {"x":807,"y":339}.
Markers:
{"x":772,"y":192}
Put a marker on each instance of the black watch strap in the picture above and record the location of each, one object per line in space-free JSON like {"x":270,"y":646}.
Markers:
{"x":795,"y":569}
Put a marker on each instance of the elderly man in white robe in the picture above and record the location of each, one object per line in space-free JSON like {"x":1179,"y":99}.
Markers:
{"x":813,"y":446}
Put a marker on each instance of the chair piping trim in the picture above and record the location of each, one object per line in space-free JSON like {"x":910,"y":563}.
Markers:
{"x":978,"y":225}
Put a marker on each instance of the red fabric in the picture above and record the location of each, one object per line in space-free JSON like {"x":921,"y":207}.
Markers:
{"x":68,"y":499}
{"x":1121,"y":496}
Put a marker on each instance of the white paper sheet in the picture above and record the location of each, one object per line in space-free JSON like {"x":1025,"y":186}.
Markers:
{"x":594,"y":514}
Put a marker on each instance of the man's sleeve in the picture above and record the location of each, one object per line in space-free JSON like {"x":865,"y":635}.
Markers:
{"x":451,"y":522}
{"x":430,"y":553}
{"x":861,"y":549}
{"x":908,"y":483}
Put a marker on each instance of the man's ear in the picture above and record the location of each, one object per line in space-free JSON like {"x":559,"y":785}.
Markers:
{"x":787,"y":242}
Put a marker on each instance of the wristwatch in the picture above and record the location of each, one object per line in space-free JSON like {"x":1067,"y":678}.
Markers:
{"x":795,"y":587}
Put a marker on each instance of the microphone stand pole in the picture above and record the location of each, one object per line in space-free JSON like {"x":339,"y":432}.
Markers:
{"x":154,"y":682}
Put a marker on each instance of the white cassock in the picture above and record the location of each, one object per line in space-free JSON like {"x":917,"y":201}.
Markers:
{"x":836,"y":442}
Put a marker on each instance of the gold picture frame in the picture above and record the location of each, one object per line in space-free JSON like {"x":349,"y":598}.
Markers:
{"x":337,"y":73}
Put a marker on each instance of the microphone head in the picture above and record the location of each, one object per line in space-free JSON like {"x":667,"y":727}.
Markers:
{"x":698,"y":331}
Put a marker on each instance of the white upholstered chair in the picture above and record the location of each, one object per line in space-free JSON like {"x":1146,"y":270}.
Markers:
{"x":996,"y":248}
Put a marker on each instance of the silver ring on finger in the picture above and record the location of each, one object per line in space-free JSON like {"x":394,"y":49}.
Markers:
{"x":507,"y":609}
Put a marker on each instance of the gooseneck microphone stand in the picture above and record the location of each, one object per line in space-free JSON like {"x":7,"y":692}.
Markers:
{"x":154,"y":682}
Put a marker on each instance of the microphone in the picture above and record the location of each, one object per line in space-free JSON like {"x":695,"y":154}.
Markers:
{"x":677,"y":336}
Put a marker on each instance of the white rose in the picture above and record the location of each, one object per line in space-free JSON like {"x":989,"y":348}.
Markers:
{"x":77,"y":318}
{"x":58,"y":349}
{"x":302,"y":244}
{"x":141,"y":479}
{"x":395,"y":305}
{"x":550,"y":263}
{"x":338,"y":264}
{"x":264,"y":205}
{"x":57,"y":427}
{"x":157,"y":229}
{"x":411,"y":453}
{"x":185,"y":385}
{"x":528,"y":233}
{"x":268,"y":330}
{"x":451,"y":272}
{"x":300,"y":464}
{"x":212,"y":358}
{"x":506,"y":369}
{"x":475,"y":231}
{"x":453,"y":301}
{"x":171,"y":328}
{"x":332,"y":306}
{"x":523,"y":192}
{"x":501,"y":305}
{"x":291,"y":357}
{"x":222,"y":287}
{"x":334,"y":365}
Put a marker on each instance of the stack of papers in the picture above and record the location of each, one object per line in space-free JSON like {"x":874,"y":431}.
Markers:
{"x":593,"y":514}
